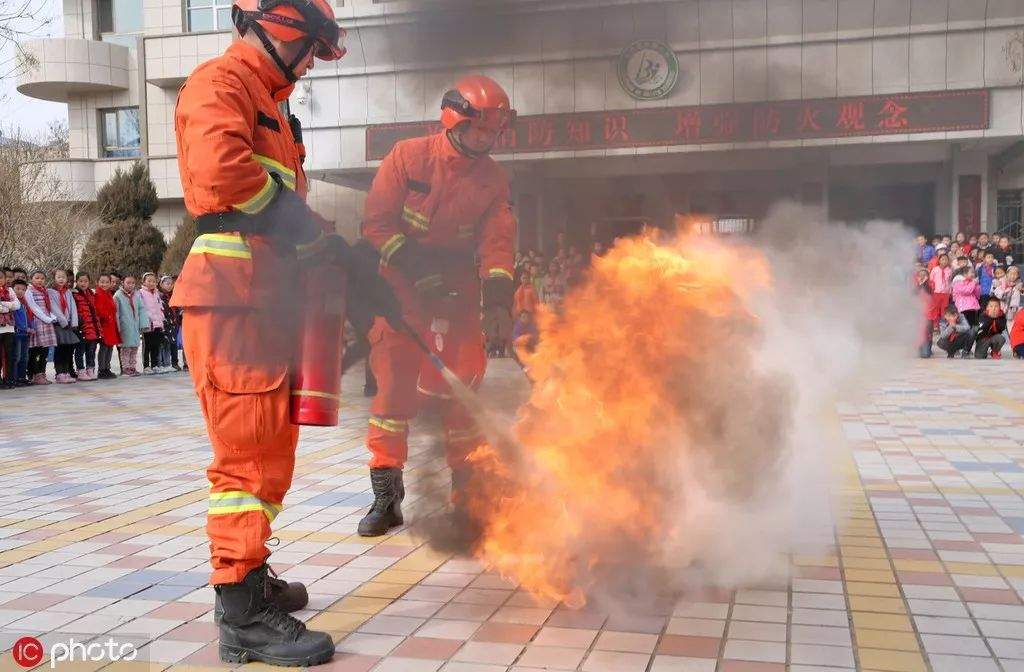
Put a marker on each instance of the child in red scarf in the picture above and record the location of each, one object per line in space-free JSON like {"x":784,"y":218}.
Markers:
{"x":106,"y":312}
{"x":40,"y":320}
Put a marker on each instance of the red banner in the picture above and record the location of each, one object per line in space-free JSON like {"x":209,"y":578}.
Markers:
{"x":924,"y":112}
{"x":969,"y":202}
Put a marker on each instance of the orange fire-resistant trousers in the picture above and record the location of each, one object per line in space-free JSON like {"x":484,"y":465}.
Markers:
{"x":406,"y":378}
{"x":239,"y":360}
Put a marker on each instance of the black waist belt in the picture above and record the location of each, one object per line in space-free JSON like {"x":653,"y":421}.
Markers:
{"x":232,"y":221}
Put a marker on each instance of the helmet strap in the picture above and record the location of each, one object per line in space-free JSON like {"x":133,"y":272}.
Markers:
{"x":287,"y":69}
{"x":460,"y":147}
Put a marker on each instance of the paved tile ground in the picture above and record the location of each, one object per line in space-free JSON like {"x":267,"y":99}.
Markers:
{"x":102,"y":506}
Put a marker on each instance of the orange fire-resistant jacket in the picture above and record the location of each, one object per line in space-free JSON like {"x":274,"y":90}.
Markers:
{"x":427,"y":191}
{"x":231,"y":135}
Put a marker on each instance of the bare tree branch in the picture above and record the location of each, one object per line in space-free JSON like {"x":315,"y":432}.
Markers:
{"x":40,"y":225}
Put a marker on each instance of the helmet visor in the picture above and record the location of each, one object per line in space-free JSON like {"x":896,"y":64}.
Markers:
{"x":330,"y":42}
{"x":496,"y":118}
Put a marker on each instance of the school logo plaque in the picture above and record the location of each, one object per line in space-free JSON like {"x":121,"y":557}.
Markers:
{"x":648,"y":70}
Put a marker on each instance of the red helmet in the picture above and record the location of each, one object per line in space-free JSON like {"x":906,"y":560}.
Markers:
{"x":290,"y":20}
{"x":477,"y":99}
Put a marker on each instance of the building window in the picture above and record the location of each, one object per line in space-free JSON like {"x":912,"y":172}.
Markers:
{"x":209,"y":15}
{"x":120,"y":132}
{"x":118,"y":17}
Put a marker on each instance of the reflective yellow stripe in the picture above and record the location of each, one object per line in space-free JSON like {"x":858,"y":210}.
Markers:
{"x":311,"y":248}
{"x":390,"y":247}
{"x":260,"y":199}
{"x":315,"y":393}
{"x":457,"y":435}
{"x":272,"y":166}
{"x":222,"y":245}
{"x":499,"y":273}
{"x":389,"y":424}
{"x":239,"y":501}
{"x":415,"y":219}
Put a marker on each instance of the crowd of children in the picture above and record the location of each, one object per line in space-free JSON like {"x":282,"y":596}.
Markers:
{"x":971,"y":291}
{"x":78,"y":326}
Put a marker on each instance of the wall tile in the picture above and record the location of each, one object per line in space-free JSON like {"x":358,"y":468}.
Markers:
{"x":749,"y":19}
{"x":890,"y":64}
{"x":750,"y":74}
{"x":927,"y":62}
{"x":716,"y":77}
{"x":558,"y":87}
{"x":965,"y":54}
{"x":784,"y":72}
{"x":785,"y":18}
{"x":819,"y":70}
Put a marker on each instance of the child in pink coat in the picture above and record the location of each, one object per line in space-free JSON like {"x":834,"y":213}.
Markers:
{"x":966,"y":291}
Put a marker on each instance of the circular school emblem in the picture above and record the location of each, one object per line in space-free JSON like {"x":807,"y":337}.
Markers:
{"x":648,"y":70}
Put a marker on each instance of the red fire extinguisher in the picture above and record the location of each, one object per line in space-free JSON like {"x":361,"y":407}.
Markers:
{"x":316,"y":381}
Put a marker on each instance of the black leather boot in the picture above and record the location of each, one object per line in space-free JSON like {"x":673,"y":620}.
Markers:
{"x":285,"y":596}
{"x":253,"y":628}
{"x":386,"y":512}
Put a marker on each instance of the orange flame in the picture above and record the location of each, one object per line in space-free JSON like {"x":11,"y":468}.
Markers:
{"x":609,"y":404}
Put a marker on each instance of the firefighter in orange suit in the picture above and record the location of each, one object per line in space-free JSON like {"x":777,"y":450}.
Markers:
{"x":439,"y":214}
{"x":240,"y":159}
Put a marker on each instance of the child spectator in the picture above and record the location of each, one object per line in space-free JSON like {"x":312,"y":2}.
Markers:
{"x":132,"y":321}
{"x":169,"y":354}
{"x":1003,"y":252}
{"x":965,"y":291}
{"x":990,"y":331}
{"x":88,"y":328}
{"x":961,"y":240}
{"x":63,"y":304}
{"x":1011,"y":293}
{"x":954,"y":334}
{"x":153,"y":334}
{"x":526,"y":296}
{"x":1017,"y":335}
{"x":9,"y":303}
{"x":986,"y":275}
{"x":924,"y":295}
{"x":941,"y":276}
{"x":524,"y":335}
{"x":106,"y":312}
{"x":40,"y":322}
{"x":21,"y":334}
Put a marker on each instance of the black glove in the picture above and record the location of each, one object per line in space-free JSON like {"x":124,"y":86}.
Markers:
{"x":497,"y":294}
{"x":415,"y":264}
{"x":287,"y":222}
{"x":368,"y":294}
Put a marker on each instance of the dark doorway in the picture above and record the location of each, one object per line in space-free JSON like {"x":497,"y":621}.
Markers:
{"x":912,"y":204}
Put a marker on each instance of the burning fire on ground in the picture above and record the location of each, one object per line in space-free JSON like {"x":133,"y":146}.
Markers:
{"x":627,"y":414}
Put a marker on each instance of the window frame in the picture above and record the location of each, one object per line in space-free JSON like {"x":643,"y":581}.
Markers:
{"x":109,"y":150}
{"x":215,"y":6}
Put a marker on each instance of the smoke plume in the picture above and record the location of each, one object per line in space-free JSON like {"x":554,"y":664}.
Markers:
{"x":680,"y":432}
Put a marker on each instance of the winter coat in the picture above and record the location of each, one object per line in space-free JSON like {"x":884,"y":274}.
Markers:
{"x":925,"y":253}
{"x":991,"y":326}
{"x":948,"y":331}
{"x":106,"y":312}
{"x":941,"y":278}
{"x":1017,"y":330}
{"x":154,"y":309}
{"x":171,"y":315}
{"x":525,"y":299}
{"x":986,"y":274}
{"x":67,"y":315}
{"x":965,"y":293}
{"x":9,"y":304}
{"x":40,"y":319}
{"x":132,"y":318}
{"x":88,"y":324}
